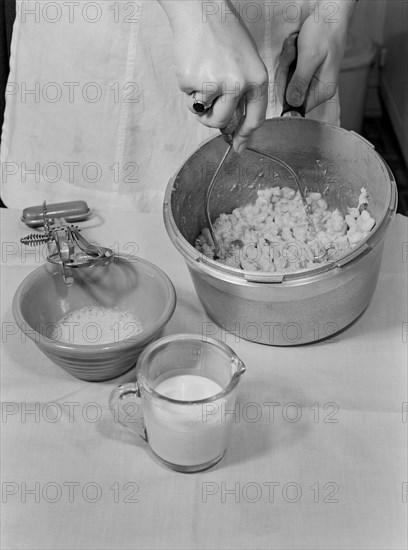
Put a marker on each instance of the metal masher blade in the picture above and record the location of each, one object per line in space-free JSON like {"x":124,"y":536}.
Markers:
{"x":264,"y":155}
{"x":319,"y":255}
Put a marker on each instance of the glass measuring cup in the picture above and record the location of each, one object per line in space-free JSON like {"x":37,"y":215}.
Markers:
{"x":185,"y":387}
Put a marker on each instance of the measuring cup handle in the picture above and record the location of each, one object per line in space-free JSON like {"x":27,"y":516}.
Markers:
{"x":126,"y":408}
{"x":287,"y":109}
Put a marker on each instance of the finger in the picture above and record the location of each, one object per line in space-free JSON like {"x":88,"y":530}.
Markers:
{"x":233,"y":123}
{"x":255,"y":112}
{"x":221,"y":112}
{"x":288,"y":55}
{"x":206,"y":96}
{"x":323,"y":87}
{"x":307,"y":65}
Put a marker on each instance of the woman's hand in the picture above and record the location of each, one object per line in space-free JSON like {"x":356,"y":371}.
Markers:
{"x":217,"y":59}
{"x":321,"y":44}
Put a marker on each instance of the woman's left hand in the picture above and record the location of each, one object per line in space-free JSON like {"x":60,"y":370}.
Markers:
{"x":321,"y":45}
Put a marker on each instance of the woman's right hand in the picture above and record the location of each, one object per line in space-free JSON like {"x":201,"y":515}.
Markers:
{"x":216,"y":58}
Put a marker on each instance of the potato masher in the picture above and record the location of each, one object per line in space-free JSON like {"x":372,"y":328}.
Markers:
{"x":228,"y":134}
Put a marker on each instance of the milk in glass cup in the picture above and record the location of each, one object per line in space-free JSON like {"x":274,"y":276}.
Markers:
{"x":185,"y":389}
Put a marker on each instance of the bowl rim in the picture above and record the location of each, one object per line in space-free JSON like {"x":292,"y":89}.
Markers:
{"x":142,"y":338}
{"x":240,"y":276}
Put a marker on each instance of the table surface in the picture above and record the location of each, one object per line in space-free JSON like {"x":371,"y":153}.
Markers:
{"x":324,"y":467}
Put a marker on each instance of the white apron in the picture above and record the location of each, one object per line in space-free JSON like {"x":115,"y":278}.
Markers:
{"x":93,"y":110}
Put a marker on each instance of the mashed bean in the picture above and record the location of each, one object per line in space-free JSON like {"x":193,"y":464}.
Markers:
{"x":275,"y":234}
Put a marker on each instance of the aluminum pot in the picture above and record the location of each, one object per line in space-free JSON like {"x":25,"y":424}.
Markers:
{"x":292,"y":308}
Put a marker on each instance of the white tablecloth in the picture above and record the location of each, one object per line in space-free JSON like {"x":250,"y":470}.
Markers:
{"x":324,"y":467}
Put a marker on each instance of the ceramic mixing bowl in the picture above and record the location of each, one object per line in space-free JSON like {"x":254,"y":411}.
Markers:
{"x":128,"y":284}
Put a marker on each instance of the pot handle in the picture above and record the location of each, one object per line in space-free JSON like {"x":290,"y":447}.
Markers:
{"x":263,"y":278}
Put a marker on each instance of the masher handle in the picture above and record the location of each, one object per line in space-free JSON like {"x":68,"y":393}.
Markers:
{"x":287,"y":108}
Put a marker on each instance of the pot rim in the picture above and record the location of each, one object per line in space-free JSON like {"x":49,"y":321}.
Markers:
{"x":212,"y":267}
